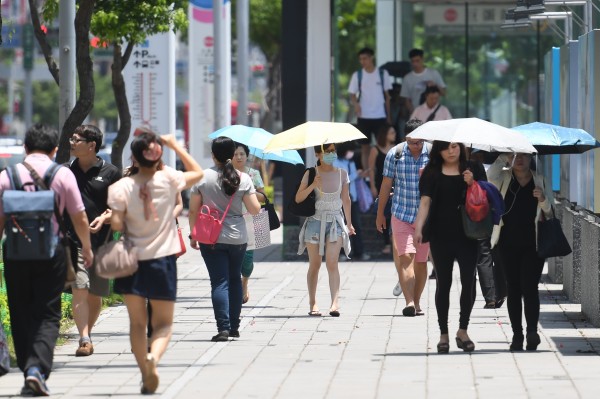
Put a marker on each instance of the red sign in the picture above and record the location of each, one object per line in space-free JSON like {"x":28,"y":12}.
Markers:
{"x":208,"y":41}
{"x":450,"y":15}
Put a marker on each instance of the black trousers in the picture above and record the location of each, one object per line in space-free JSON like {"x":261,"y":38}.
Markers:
{"x":485,"y":269}
{"x":444,"y":251}
{"x":523,"y":270}
{"x":34,"y":291}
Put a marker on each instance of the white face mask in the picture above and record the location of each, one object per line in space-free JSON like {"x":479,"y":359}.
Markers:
{"x":349,"y":155}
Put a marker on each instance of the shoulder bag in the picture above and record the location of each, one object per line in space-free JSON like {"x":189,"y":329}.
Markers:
{"x":551,"y":240}
{"x":305,"y":208}
{"x":274,"y":222}
{"x":116,"y":259}
{"x":208,"y":226}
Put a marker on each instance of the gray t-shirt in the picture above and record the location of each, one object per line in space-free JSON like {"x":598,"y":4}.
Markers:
{"x":234,"y":227}
{"x":414,"y":84}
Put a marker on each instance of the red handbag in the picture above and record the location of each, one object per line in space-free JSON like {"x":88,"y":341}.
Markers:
{"x":208,"y":224}
{"x":181,"y":240}
{"x":476,"y":204}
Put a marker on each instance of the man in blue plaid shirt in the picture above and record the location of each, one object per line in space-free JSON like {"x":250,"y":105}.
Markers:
{"x":402,"y":168}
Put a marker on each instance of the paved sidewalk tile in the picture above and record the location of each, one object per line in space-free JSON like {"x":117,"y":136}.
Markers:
{"x":370,"y":351}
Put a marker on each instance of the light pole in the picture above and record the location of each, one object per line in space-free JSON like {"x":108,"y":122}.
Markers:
{"x":66,"y":45}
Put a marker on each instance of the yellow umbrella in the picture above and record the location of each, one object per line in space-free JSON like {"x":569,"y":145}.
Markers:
{"x":310,"y":134}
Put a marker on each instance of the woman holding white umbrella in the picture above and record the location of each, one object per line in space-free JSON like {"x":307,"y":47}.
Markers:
{"x":325,"y":233}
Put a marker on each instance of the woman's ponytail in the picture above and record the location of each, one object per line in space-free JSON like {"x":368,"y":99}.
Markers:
{"x":223,"y":149}
{"x":230,"y":179}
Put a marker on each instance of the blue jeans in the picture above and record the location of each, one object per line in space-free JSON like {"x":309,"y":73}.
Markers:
{"x":224,"y":264}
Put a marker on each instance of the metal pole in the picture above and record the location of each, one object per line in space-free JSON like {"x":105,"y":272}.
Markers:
{"x":539,"y":72}
{"x":568,"y":28}
{"x":589,"y":13}
{"x":220,"y":67}
{"x":66,"y":45}
{"x":28,"y":100}
{"x":243,"y":32}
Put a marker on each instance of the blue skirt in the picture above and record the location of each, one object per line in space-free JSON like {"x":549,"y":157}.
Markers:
{"x":154,"y":279}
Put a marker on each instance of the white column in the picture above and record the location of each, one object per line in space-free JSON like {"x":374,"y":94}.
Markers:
{"x":318,"y":65}
{"x":243,"y":69}
{"x":387,"y":29}
{"x":222,"y":35}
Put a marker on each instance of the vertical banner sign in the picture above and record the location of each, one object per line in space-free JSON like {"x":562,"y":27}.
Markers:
{"x":201,"y":76}
{"x":150,"y":84}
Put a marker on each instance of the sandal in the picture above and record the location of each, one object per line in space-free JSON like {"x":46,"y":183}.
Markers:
{"x":150,"y":376}
{"x":467,"y":346}
{"x":315,"y":313}
{"x":443,"y":347}
{"x":334,"y":313}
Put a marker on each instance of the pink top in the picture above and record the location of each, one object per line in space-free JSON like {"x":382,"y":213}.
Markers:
{"x":154,"y":237}
{"x":64,"y":184}
{"x":422,"y":112}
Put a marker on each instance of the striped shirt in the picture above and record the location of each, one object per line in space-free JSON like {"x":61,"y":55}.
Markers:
{"x":404,"y":172}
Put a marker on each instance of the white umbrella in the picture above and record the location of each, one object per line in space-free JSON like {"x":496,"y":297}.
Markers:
{"x":476,"y":133}
{"x":310,"y":134}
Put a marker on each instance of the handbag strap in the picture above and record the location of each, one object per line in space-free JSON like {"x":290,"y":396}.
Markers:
{"x":227,"y":209}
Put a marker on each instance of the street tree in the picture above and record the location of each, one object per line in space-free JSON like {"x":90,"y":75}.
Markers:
{"x":84,"y":64}
{"x":122,"y":25}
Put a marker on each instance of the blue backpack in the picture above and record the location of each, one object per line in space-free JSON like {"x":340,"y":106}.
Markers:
{"x":28,"y":212}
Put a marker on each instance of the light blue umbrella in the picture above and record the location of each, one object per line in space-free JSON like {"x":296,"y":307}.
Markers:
{"x":256,"y":139}
{"x":554,"y":139}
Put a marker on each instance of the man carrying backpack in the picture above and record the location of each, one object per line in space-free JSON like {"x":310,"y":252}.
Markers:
{"x":34,"y":256}
{"x":93,"y":176}
{"x":370,"y":98}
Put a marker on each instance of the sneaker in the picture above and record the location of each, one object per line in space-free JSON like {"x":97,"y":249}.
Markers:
{"x":85,"y":347}
{"x":26,"y":391}
{"x":222,"y":336}
{"x":36,"y":382}
{"x":234,"y":334}
{"x":397,"y":289}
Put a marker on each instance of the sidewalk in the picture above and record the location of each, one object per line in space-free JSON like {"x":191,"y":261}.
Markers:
{"x":371,"y":351}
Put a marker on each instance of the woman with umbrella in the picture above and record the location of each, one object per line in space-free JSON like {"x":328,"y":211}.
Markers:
{"x":325,"y":233}
{"x":443,"y":185}
{"x":240,"y":157}
{"x":525,"y":200}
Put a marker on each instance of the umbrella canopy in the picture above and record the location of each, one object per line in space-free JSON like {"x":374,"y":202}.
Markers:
{"x":310,"y":134}
{"x":553,"y":139}
{"x":256,"y":139}
{"x":476,"y":133}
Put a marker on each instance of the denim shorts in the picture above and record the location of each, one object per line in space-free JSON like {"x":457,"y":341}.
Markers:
{"x":154,"y":279}
{"x":312,"y":231}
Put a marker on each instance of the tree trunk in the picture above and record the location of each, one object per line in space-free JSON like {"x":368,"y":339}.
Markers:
{"x":85,"y":72}
{"x":118,"y":85}
{"x":272,"y":111}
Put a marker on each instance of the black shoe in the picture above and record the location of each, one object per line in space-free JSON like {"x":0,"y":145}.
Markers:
{"x":234,"y":334}
{"x":222,"y":336}
{"x":533,"y":340}
{"x":466,"y":346}
{"x":27,"y":392}
{"x":500,"y":302}
{"x":490,"y":305}
{"x":409,"y":311}
{"x":432,"y":276}
{"x":517,"y":342}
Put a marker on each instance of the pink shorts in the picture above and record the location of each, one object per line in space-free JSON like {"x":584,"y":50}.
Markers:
{"x":403,"y":238}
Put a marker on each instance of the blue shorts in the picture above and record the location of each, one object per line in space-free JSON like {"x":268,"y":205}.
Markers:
{"x":312,"y":231}
{"x":154,"y":279}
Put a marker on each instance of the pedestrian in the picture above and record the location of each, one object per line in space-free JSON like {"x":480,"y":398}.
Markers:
{"x":240,"y":158}
{"x":431,"y":109}
{"x":402,"y":168}
{"x":34,"y":287}
{"x":222,"y":185}
{"x":142,"y":206}
{"x":416,"y":81}
{"x":345,"y":160}
{"x":385,"y":140}
{"x":370,"y":98}
{"x":326,"y":232}
{"x":93,"y":176}
{"x":443,"y":188}
{"x":526,"y":199}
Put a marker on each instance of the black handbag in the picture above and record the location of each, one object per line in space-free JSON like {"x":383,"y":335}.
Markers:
{"x":477,"y":230}
{"x":551,"y":240}
{"x":305,"y":208}
{"x":273,"y":218}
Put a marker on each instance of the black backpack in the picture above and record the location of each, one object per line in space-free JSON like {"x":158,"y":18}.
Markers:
{"x":305,"y":208}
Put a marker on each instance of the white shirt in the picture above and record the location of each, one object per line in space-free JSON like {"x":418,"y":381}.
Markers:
{"x":372,"y":100}
{"x":422,"y":112}
{"x":414,"y":84}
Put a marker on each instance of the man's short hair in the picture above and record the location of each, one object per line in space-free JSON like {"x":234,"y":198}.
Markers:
{"x":416,"y":52}
{"x":412,"y":125}
{"x":431,"y":89}
{"x":41,"y":138}
{"x":91,"y":134}
{"x":367,"y":51}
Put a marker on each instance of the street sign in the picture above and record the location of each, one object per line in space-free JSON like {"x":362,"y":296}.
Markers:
{"x":28,"y":47}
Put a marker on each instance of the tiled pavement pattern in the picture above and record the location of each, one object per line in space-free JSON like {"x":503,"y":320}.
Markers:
{"x":371,"y":351}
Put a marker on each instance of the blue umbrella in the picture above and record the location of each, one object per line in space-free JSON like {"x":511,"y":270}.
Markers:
{"x":554,"y":139}
{"x":256,"y":139}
